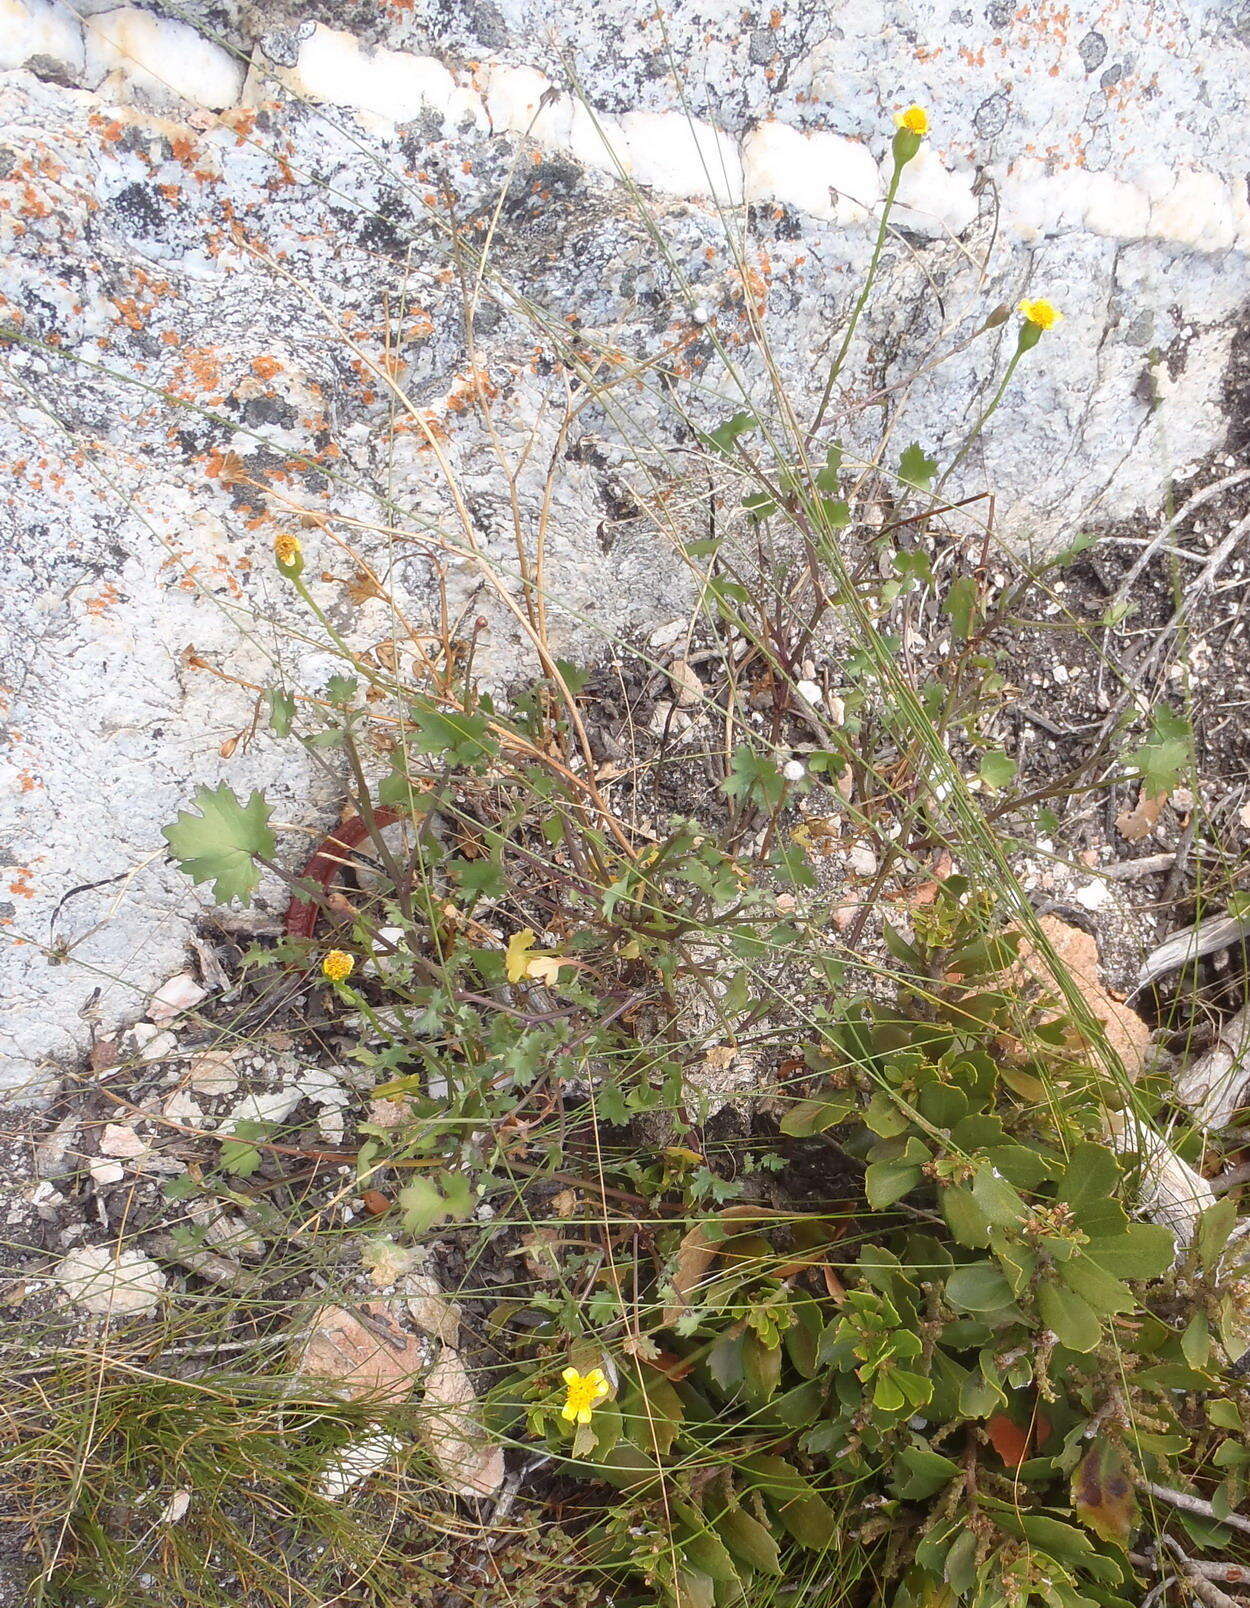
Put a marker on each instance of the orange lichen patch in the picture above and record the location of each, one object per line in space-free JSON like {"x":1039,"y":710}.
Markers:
{"x":26,"y":783}
{"x":20,"y":885}
{"x":200,"y":372}
{"x":185,"y":148}
{"x":266,"y":367}
{"x":240,"y":120}
{"x":103,"y":601}
{"x":476,"y":386}
{"x":171,"y":337}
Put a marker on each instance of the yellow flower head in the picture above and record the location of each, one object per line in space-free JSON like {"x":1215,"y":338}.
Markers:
{"x":915,"y":120}
{"x":585,"y":1392}
{"x":337,"y":965}
{"x":1041,"y":313}
{"x":286,"y":549}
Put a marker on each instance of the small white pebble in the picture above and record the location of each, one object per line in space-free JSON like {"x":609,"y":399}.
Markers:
{"x":793,"y":770}
{"x":811,"y":692}
{"x":1094,"y":896}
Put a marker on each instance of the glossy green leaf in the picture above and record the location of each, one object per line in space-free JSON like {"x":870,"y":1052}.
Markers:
{"x":979,"y":1287}
{"x":1069,"y":1316}
{"x":746,"y":1538}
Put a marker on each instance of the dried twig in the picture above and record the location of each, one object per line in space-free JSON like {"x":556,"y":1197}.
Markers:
{"x":1194,"y":1504}
{"x":1202,"y":1586}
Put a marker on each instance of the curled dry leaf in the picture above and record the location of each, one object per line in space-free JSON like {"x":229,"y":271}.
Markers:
{"x":453,"y":1430}
{"x":373,"y":1361}
{"x":386,"y":1261}
{"x":686,"y":684}
{"x":1141,"y":820}
{"x":700,"y":1247}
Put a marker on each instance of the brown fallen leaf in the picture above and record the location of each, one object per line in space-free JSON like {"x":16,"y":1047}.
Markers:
{"x":104,"y":1055}
{"x":1141,"y":820}
{"x":698,"y":1250}
{"x":1127,"y":1034}
{"x":453,"y":1430}
{"x":373,"y":1361}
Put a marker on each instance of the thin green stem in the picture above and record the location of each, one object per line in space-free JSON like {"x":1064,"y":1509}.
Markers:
{"x":861,"y":301}
{"x":981,"y":421}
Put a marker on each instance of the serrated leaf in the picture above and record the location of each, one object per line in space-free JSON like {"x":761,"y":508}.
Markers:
{"x":828,"y":477}
{"x":725,"y":436}
{"x":996,"y":768}
{"x":915,"y":468}
{"x":281,"y":712}
{"x":219,"y":844}
{"x":453,"y":735}
{"x":424,"y":1203}
{"x":1164,"y":757}
{"x":960,"y":606}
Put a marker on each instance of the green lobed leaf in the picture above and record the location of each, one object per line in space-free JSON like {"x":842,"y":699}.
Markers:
{"x":219,"y":844}
{"x":915,"y":468}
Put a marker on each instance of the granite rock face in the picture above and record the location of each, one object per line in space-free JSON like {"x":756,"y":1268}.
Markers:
{"x":267,"y":264}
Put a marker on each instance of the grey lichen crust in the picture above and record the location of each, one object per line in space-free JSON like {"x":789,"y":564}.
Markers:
{"x":217,"y":255}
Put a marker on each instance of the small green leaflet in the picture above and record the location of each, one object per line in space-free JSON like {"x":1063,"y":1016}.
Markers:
{"x":996,"y":768}
{"x":915,"y":469}
{"x":828,"y":479}
{"x":755,"y":777}
{"x":457,"y":737}
{"x":1164,"y":756}
{"x":281,"y":712}
{"x":219,"y":844}
{"x":426,"y":1203}
{"x":725,"y":436}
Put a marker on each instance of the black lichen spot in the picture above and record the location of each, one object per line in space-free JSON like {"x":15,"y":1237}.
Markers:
{"x":139,"y":209}
{"x":774,"y":220}
{"x":261,"y":410}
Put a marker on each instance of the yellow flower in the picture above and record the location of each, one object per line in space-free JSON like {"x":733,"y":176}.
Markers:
{"x":338,"y":965}
{"x":1041,"y":313}
{"x":585,"y":1392}
{"x":286,"y":549}
{"x":915,"y":120}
